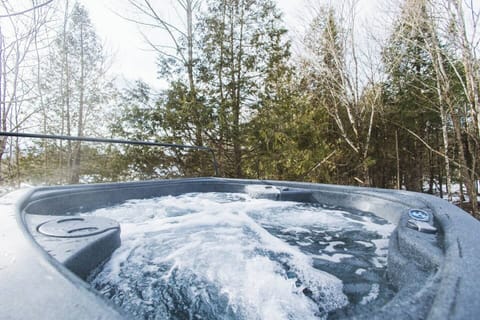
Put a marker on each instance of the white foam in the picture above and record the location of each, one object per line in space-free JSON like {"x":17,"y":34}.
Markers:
{"x":372,"y":295}
{"x":224,"y":243}
{"x":381,"y":252}
{"x":222,"y":240}
{"x":255,"y":190}
{"x":331,"y":246}
{"x":304,"y":243}
{"x":296,"y":230}
{"x":336,"y":257}
{"x":365,"y":243}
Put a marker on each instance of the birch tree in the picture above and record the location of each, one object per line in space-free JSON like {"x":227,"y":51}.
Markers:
{"x":436,"y":32}
{"x":333,"y":64}
{"x":456,"y":62}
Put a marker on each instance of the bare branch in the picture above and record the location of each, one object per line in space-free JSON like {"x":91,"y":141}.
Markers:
{"x":9,"y":15}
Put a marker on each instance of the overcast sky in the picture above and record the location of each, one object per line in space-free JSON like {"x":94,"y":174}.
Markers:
{"x":133,"y":59}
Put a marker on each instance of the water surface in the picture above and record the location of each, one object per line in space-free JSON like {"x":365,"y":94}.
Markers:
{"x":232,"y":256}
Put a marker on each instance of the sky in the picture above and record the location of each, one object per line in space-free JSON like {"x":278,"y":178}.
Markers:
{"x":133,"y":58}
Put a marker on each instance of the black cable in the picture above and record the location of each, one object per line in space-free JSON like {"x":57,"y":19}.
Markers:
{"x":113,"y":141}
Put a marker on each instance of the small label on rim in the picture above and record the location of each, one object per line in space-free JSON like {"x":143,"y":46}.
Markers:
{"x":419,"y":215}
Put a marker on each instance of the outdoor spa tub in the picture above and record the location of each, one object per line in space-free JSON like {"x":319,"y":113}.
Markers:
{"x":228,"y":248}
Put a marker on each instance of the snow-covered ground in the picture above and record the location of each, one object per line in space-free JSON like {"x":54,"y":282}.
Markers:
{"x":458,"y":195}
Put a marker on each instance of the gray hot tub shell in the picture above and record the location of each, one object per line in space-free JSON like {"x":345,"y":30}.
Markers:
{"x":437,"y":276}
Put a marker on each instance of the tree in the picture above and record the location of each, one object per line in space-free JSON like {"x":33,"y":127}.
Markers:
{"x":177,"y":57}
{"x":457,"y":70}
{"x":140,"y":117}
{"x":19,"y":31}
{"x":186,"y":118}
{"x":288,"y":139}
{"x":332,"y":66}
{"x":243,"y":42}
{"x":410,"y":95}
{"x":430,"y":69}
{"x":77,"y":85}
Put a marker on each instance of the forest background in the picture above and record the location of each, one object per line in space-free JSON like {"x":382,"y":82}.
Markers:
{"x":341,"y":106}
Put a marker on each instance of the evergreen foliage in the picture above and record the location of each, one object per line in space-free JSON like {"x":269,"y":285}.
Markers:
{"x":410,"y":97}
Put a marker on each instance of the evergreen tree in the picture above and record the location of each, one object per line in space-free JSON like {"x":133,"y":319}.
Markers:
{"x":288,"y":138}
{"x":243,"y":44}
{"x":410,"y":93}
{"x":146,"y":116}
{"x":141,"y":117}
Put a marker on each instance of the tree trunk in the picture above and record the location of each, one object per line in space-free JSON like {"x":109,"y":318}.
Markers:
{"x":446,"y":148}
{"x":464,"y":170}
{"x":75,"y":176}
{"x":42,"y":104}
{"x":398,"y":161}
{"x":222,"y":112}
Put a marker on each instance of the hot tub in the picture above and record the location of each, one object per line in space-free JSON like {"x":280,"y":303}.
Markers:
{"x":49,"y":246}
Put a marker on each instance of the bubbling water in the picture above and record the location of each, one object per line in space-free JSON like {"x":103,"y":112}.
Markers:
{"x":231,"y":256}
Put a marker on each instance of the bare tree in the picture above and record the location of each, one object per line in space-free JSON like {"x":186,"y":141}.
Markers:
{"x":454,"y":60}
{"x":19,"y":30}
{"x":417,"y":24}
{"x":452,"y":48}
{"x":76,"y":85}
{"x":460,"y":31}
{"x":347,"y":92}
{"x":180,"y":47}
